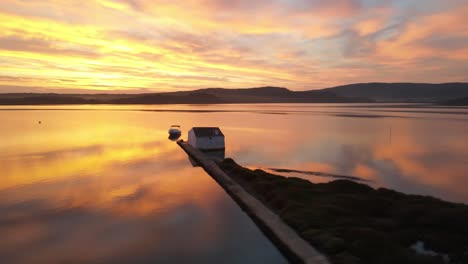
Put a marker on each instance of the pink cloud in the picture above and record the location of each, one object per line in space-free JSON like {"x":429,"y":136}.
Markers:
{"x":298,"y":44}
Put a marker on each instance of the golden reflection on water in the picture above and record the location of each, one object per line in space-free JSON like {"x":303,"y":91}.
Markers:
{"x":412,"y":153}
{"x":106,"y":187}
{"x":85,"y":178}
{"x":106,"y":154}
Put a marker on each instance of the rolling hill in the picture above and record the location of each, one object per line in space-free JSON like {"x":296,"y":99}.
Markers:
{"x":203,"y":96}
{"x":403,"y":92}
{"x":456,"y":102}
{"x":353,"y":93}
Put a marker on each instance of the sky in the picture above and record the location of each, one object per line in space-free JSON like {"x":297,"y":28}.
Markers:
{"x":71,"y":46}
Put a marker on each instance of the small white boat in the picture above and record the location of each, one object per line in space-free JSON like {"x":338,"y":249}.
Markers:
{"x":175,"y":130}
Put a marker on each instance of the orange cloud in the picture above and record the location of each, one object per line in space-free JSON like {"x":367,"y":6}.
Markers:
{"x":164,"y":45}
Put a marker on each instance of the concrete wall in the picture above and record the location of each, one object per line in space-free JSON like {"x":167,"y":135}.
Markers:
{"x":192,"y":140}
{"x":205,"y":143}
{"x":210,"y":143}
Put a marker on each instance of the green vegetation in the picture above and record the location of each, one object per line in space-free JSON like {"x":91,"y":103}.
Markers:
{"x":354,"y":223}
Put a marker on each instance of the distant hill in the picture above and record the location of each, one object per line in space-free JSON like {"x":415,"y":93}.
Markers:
{"x":353,"y":93}
{"x":456,"y":102}
{"x":403,"y":92}
{"x":44,"y":99}
{"x":169,"y":98}
{"x":278,"y":95}
{"x":202,"y":96}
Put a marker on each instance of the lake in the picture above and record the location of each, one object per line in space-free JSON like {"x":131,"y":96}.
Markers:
{"x":103,"y":184}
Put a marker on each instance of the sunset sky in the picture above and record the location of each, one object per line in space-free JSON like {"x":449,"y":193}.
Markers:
{"x":161,"y":45}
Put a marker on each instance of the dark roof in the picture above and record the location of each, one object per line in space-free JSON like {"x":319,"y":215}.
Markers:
{"x":207,"y":131}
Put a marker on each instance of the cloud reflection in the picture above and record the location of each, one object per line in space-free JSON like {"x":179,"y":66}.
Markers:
{"x":96,"y":187}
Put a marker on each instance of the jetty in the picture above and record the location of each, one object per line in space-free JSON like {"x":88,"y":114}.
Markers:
{"x":296,"y":249}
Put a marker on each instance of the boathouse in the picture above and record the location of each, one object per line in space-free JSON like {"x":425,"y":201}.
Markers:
{"x":206,"y":138}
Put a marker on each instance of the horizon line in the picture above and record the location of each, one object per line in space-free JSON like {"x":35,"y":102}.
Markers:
{"x":142,"y":91}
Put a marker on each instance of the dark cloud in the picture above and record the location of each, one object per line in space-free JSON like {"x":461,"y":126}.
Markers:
{"x":443,"y":42}
{"x":355,"y":45}
{"x":341,"y":6}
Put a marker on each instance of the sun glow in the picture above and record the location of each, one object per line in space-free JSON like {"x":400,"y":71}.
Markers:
{"x":162,"y":46}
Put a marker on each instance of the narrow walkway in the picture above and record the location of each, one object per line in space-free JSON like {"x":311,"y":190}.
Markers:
{"x":295,"y":248}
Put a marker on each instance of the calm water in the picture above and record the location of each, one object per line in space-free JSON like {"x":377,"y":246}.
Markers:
{"x":103,"y":184}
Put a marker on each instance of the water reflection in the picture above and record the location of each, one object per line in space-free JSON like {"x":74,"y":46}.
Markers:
{"x":114,"y":193}
{"x":108,"y":186}
{"x":319,"y":174}
{"x":424,"y":156}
